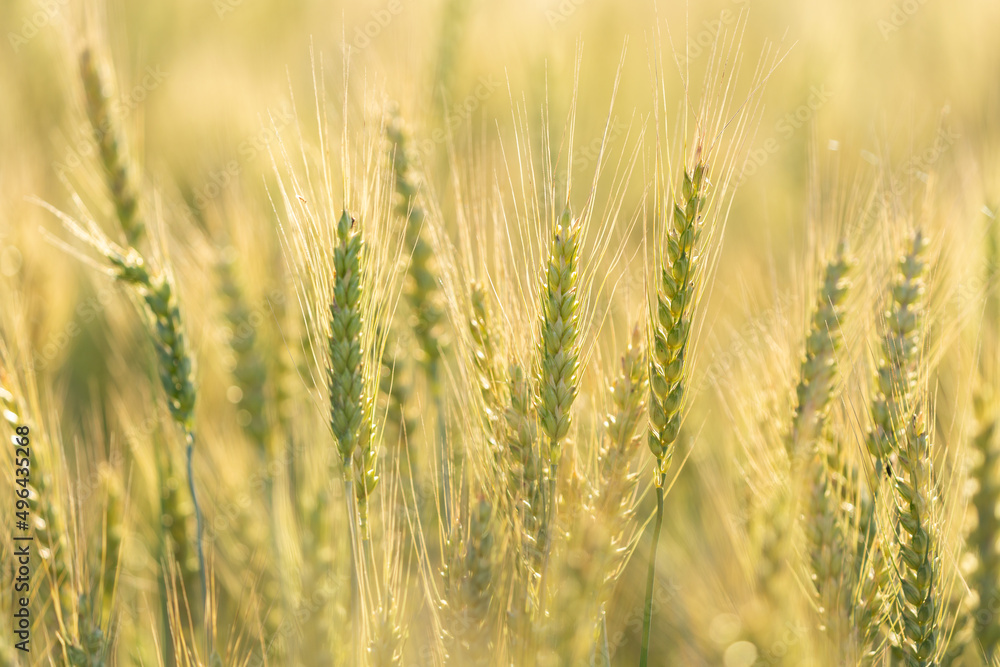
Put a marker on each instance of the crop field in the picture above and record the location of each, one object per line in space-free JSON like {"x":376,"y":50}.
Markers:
{"x":528,"y":333}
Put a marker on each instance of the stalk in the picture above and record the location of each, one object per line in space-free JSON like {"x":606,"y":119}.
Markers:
{"x":668,"y":347}
{"x":559,"y":360}
{"x":647,"y":614}
{"x":350,"y":402}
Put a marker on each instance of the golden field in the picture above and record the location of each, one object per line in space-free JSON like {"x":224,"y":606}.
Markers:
{"x":543,"y":332}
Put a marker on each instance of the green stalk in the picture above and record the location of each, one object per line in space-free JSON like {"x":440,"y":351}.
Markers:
{"x":647,"y":616}
{"x":668,"y":348}
{"x":189,"y":454}
{"x":558,"y":367}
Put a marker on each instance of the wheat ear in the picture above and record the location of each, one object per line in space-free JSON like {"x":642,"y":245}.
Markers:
{"x":819,"y":364}
{"x":897,"y":370}
{"x":825,"y":526}
{"x":485,"y":361}
{"x":250,"y":369}
{"x":629,"y":392}
{"x":422,"y":291}
{"x":559,"y":353}
{"x":350,"y":405}
{"x":900,"y":434}
{"x":110,"y":148}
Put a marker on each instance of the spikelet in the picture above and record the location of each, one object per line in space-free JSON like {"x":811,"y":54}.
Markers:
{"x":110,"y":148}
{"x":672,"y":320}
{"x":771,"y":531}
{"x":153,"y":287}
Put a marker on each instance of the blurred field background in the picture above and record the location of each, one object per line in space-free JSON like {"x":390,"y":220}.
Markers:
{"x":900,"y":95}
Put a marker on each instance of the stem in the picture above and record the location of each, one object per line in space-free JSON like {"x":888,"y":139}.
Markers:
{"x":549,"y":521}
{"x":349,"y":498}
{"x":198,"y":529}
{"x":169,"y":659}
{"x":357,"y":562}
{"x":647,"y":615}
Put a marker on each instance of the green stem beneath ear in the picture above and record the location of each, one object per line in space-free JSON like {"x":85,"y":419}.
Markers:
{"x":647,"y":616}
{"x":198,"y":533}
